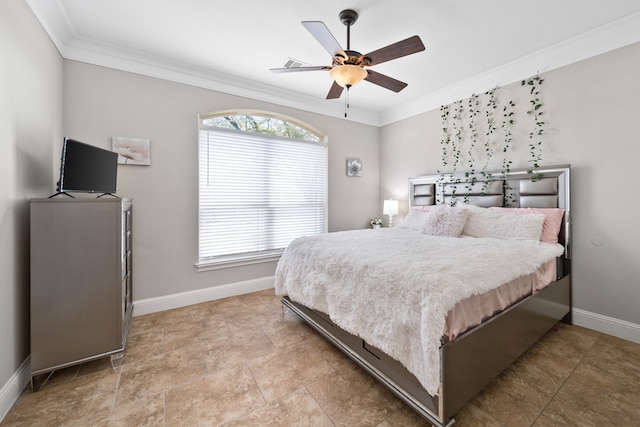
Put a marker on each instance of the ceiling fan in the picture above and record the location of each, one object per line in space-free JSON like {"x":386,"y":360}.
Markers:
{"x":347,"y":68}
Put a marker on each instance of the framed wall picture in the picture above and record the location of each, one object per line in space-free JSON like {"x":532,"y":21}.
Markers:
{"x":354,"y":167}
{"x":132,"y":151}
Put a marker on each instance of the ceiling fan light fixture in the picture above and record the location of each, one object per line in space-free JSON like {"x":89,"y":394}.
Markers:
{"x":347,"y":66}
{"x":348,"y":75}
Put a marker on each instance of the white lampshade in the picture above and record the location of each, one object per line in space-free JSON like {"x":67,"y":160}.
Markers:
{"x":390,"y":207}
{"x":348,"y":75}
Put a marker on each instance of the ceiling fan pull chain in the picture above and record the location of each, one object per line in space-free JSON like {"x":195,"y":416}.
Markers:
{"x":346,"y":101}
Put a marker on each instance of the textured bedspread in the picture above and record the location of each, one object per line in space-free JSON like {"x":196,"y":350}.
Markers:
{"x":394,"y":287}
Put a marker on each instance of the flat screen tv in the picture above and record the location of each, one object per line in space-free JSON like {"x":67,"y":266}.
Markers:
{"x":87,"y":169}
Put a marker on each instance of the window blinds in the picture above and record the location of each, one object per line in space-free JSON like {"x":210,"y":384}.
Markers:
{"x":258,"y":192}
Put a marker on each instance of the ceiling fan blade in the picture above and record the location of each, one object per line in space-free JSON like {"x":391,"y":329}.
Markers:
{"x":335,"y":91}
{"x":324,"y":37}
{"x":297,"y":69}
{"x":396,"y":50}
{"x":385,"y":81}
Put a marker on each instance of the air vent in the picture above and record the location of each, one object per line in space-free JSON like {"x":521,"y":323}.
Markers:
{"x":294,"y":63}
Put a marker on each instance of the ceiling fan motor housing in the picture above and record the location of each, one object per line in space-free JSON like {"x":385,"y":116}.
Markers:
{"x":352,"y":58}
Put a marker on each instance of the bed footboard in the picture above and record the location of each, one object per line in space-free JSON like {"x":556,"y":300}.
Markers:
{"x":469,"y":363}
{"x":478,"y":356}
{"x":385,"y":369}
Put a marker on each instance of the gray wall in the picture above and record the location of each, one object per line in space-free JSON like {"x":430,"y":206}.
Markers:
{"x":100,"y":103}
{"x":30,"y":127}
{"x":592,"y":111}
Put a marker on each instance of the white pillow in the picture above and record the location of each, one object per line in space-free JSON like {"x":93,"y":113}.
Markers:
{"x":415,"y":220}
{"x":445,"y":221}
{"x":498,"y":224}
{"x":552,"y":222}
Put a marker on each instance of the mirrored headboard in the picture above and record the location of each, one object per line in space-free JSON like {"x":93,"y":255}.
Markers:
{"x":547,"y":187}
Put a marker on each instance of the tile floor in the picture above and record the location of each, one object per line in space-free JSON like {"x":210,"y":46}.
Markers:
{"x":241,"y":361}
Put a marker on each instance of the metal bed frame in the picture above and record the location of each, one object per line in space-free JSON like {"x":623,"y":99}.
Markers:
{"x":480,"y":354}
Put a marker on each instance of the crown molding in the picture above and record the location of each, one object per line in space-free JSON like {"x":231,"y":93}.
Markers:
{"x":54,"y":21}
{"x":72,"y":47}
{"x":52,"y":17}
{"x":98,"y":53}
{"x":614,"y":35}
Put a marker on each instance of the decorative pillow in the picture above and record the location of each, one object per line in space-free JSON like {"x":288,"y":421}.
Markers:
{"x":445,"y":221}
{"x":552,"y":220}
{"x":415,"y":220}
{"x":425,"y":208}
{"x":485,"y":222}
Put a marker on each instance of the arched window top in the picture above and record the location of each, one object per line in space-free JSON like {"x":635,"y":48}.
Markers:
{"x":261,"y":122}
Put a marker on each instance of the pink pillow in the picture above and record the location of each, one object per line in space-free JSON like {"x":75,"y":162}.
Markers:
{"x":425,"y":208}
{"x":552,"y":221}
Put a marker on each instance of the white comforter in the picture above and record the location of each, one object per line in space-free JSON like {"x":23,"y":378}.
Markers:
{"x":394,"y":287}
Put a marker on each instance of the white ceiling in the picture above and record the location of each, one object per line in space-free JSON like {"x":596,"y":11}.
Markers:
{"x":471,"y":45}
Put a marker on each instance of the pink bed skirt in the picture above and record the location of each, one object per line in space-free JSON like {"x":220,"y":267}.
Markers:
{"x":474,"y":310}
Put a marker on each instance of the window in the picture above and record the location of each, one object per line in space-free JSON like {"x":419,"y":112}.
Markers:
{"x":262,"y":183}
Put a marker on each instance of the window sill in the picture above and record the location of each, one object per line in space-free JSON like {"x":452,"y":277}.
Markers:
{"x":237,"y":261}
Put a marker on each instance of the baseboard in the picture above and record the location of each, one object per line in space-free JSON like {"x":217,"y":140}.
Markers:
{"x":14,"y":387}
{"x":607,"y":325}
{"x":183,"y":299}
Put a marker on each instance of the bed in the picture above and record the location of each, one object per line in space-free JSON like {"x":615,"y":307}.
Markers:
{"x":401,"y":305}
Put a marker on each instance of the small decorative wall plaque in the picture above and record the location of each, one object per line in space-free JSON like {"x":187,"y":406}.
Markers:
{"x":354,"y":167}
